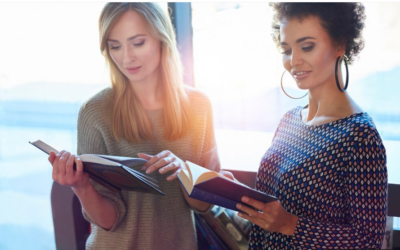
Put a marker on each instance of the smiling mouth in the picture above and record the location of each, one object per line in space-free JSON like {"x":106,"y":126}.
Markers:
{"x":299,"y":73}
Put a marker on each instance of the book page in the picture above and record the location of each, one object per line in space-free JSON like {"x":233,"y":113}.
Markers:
{"x":85,"y":157}
{"x":200,"y":174}
{"x":185,"y":179}
{"x":98,"y":160}
{"x":44,"y":147}
{"x":126,"y":161}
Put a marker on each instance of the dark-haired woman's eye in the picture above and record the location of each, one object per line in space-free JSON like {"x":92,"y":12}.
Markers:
{"x":287,"y":52}
{"x":308,"y":48}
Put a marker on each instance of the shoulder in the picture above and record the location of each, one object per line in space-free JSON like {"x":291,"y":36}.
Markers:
{"x":291,"y":115}
{"x":362,"y":128}
{"x":198,"y":99}
{"x":97,"y":105}
{"x":196,"y":95}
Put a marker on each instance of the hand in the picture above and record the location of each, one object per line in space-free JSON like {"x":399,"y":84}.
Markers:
{"x":227,"y":174}
{"x":165,"y":162}
{"x":64,"y":173}
{"x":271,"y":216}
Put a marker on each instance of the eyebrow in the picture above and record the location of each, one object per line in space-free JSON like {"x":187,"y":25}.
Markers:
{"x":129,"y":39}
{"x":299,"y":40}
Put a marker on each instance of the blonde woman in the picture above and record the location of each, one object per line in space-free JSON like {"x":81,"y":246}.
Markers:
{"x":147,"y":112}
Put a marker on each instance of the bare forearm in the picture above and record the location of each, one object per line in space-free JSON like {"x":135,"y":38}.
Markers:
{"x":198,"y":205}
{"x":98,"y":208}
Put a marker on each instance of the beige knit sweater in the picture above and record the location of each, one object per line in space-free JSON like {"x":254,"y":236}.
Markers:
{"x":147,"y":221}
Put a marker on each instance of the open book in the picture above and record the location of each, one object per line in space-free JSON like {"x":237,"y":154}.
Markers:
{"x":114,"y":172}
{"x":209,"y":186}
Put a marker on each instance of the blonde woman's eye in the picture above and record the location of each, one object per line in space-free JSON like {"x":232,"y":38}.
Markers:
{"x":114,"y":47}
{"x":138,"y":44}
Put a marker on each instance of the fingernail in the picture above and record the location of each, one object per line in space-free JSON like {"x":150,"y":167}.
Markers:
{"x":240,"y":214}
{"x":245,"y":199}
{"x":239,"y":205}
{"x":147,"y":171}
{"x":161,"y":171}
{"x":78,"y":159}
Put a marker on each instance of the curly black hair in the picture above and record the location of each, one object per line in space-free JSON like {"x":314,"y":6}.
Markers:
{"x":343,"y":21}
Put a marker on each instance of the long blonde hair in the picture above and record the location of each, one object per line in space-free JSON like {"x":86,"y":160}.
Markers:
{"x":129,"y":119}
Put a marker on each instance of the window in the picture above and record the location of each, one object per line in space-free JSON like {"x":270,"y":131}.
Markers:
{"x":50,"y":64}
{"x":238,"y":66}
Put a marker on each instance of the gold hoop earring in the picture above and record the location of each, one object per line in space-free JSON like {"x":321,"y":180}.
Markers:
{"x":287,"y":93}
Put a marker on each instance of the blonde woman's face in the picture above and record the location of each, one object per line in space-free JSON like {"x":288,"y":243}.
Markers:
{"x":308,"y":52}
{"x":133,"y":49}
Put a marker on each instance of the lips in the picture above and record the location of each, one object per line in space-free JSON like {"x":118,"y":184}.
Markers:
{"x":301,"y":74}
{"x":133,"y":70}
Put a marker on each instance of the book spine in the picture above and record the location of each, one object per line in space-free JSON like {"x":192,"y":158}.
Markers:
{"x":208,"y":234}
{"x":220,"y":230}
{"x":235,"y":233}
{"x":243,"y":224}
{"x":213,"y":199}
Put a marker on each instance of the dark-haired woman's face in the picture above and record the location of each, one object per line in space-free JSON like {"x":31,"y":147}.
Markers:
{"x":308,"y":52}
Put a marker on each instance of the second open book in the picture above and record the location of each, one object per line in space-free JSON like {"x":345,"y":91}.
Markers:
{"x":209,"y":186}
{"x":114,"y":172}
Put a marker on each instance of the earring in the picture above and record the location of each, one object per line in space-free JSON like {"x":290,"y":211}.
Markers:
{"x":336,"y":75}
{"x":287,"y":93}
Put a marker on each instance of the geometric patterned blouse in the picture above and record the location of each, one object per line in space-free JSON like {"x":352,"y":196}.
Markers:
{"x":333,"y":177}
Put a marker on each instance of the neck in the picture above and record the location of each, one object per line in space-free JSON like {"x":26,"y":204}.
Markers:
{"x":327,"y":103}
{"x":148,"y":92}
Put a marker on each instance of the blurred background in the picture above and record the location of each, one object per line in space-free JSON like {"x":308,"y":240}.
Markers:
{"x":50,"y":63}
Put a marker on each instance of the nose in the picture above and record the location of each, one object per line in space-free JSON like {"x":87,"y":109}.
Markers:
{"x":295,"y":59}
{"x":128,"y":54}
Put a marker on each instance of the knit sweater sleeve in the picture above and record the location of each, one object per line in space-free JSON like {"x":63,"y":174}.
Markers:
{"x":366,"y":188}
{"x":91,"y":141}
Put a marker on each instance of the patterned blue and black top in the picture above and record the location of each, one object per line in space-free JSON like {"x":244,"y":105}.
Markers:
{"x":333,"y":177}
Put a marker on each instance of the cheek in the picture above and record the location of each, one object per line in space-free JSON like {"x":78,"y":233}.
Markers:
{"x":286,"y":63}
{"x":153,"y":53}
{"x":325,"y":62}
{"x":115,"y":58}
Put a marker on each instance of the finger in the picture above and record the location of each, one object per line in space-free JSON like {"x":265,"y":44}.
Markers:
{"x":170,"y":167}
{"x":146,"y":157}
{"x":79,"y":167}
{"x":247,"y":210}
{"x":173,"y":176}
{"x":62,"y":162}
{"x":69,"y":164}
{"x":52,"y":158}
{"x":254,"y":203}
{"x":227,"y":174}
{"x":254,"y":220}
{"x":56,"y":162}
{"x":159,"y":164}
{"x":157,"y":158}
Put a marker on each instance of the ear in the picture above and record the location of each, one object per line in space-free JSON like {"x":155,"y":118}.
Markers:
{"x":341,"y":49}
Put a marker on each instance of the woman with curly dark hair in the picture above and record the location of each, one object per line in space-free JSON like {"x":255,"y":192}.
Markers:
{"x":327,"y":163}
